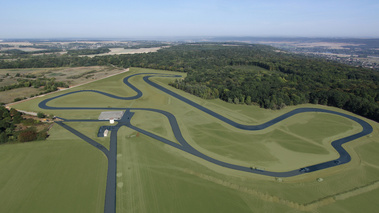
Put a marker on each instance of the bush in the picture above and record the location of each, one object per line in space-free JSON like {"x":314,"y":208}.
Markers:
{"x":42,"y":135}
{"x":27,"y":135}
{"x":28,"y":122}
{"x":40,"y":115}
{"x":3,"y":137}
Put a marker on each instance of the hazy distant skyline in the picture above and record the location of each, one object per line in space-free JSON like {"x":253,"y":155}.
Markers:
{"x":148,"y":18}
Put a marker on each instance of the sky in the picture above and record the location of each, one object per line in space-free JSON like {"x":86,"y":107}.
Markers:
{"x":173,"y":18}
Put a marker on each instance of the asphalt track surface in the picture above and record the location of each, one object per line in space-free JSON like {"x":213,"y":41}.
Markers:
{"x":110,"y":201}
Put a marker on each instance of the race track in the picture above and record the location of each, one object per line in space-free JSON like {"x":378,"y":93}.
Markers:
{"x":184,"y":146}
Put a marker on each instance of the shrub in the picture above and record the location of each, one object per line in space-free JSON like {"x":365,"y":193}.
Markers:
{"x":3,"y":137}
{"x":27,"y":135}
{"x":28,"y":122}
{"x":42,"y":135}
{"x":40,"y":115}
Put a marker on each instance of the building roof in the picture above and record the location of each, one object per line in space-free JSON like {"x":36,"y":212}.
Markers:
{"x":111,"y":115}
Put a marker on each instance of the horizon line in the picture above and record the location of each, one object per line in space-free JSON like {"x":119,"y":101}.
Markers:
{"x":183,"y":37}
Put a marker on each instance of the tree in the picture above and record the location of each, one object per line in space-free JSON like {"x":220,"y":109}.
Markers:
{"x":9,"y":131}
{"x":242,"y":99}
{"x":17,"y":118}
{"x":42,"y":135}
{"x":3,"y":137}
{"x":40,"y":115}
{"x":27,"y":84}
{"x":248,"y":100}
{"x":236,"y":100}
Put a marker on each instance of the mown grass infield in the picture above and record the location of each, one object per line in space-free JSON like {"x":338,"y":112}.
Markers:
{"x":65,"y":174}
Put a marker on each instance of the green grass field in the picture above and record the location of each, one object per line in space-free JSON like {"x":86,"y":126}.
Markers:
{"x":154,"y":177}
{"x":62,"y":174}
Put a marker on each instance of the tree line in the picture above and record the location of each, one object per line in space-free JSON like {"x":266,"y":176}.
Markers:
{"x":48,"y":84}
{"x":21,"y":53}
{"x":247,"y":74}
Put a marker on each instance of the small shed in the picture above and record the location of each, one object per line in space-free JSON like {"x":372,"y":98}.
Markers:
{"x":106,"y":133}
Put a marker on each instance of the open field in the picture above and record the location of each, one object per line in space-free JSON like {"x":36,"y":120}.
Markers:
{"x":155,"y":177}
{"x":28,"y":47}
{"x":90,"y":129}
{"x":152,"y":178}
{"x":5,"y":81}
{"x":9,"y":95}
{"x":120,"y":51}
{"x":70,"y":75}
{"x":158,"y":124}
{"x":61,"y":174}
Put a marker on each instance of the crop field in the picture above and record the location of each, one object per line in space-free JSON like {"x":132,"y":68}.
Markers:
{"x":65,"y":172}
{"x":121,"y":51}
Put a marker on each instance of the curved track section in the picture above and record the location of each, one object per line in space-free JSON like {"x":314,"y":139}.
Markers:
{"x":43,"y":104}
{"x":344,"y":155}
{"x":337,"y":145}
{"x":110,"y":201}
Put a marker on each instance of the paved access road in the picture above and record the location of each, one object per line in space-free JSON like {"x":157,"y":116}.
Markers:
{"x":110,"y":201}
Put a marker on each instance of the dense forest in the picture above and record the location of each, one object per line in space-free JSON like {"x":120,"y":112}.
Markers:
{"x":247,"y":74}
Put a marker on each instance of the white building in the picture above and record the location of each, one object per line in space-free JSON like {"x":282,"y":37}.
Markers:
{"x":111,"y":116}
{"x":106,"y":133}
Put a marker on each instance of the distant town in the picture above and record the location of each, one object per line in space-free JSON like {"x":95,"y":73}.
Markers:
{"x":352,"y":53}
